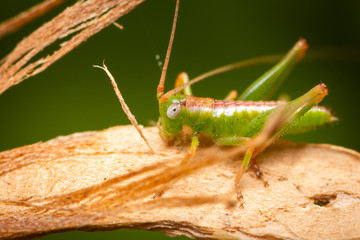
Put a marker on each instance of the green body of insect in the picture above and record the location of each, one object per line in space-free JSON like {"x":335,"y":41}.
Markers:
{"x":230,"y":122}
{"x":225,"y":121}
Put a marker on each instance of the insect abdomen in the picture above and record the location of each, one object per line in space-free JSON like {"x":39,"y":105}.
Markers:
{"x":231,"y":118}
{"x":221,"y":119}
{"x":251,"y":108}
{"x":315,"y":117}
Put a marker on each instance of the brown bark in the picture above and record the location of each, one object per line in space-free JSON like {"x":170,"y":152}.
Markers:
{"x":97,"y":181}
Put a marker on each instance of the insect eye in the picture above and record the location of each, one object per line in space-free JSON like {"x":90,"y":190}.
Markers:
{"x":173,"y":111}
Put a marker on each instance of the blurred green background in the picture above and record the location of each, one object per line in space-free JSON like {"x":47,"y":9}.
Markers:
{"x":72,"y":96}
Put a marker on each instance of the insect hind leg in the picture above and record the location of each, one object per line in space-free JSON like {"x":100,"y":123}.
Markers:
{"x":246,"y":160}
{"x":266,"y":85}
{"x":258,"y":172}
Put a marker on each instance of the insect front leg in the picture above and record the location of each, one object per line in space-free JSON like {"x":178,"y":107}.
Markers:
{"x":181,"y":79}
{"x":193,"y":147}
{"x":232,"y":95}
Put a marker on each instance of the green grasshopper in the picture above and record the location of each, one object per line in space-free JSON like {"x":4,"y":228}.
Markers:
{"x":233,"y":122}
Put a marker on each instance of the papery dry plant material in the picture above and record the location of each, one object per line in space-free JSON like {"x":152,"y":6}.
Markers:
{"x":24,"y":18}
{"x":78,"y":22}
{"x":99,"y":181}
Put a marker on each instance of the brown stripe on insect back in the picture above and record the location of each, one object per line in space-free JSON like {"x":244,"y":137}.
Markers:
{"x":229,"y":108}
{"x":199,"y":104}
{"x":223,"y":103}
{"x":259,"y":104}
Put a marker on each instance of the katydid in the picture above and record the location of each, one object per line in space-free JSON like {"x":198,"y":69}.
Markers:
{"x":235,"y":122}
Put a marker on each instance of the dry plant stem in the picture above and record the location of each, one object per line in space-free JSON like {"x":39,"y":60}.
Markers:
{"x":26,"y":17}
{"x":97,"y":181}
{"x":80,"y":21}
{"x":124,"y":106}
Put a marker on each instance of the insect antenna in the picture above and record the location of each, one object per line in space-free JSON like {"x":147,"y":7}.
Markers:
{"x":126,"y":109}
{"x":298,"y":50}
{"x":160,"y":88}
{"x":263,"y":60}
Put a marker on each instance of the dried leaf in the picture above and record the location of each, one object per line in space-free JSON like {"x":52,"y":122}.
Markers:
{"x":24,"y":18}
{"x":109,"y":179}
{"x":78,"y":22}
